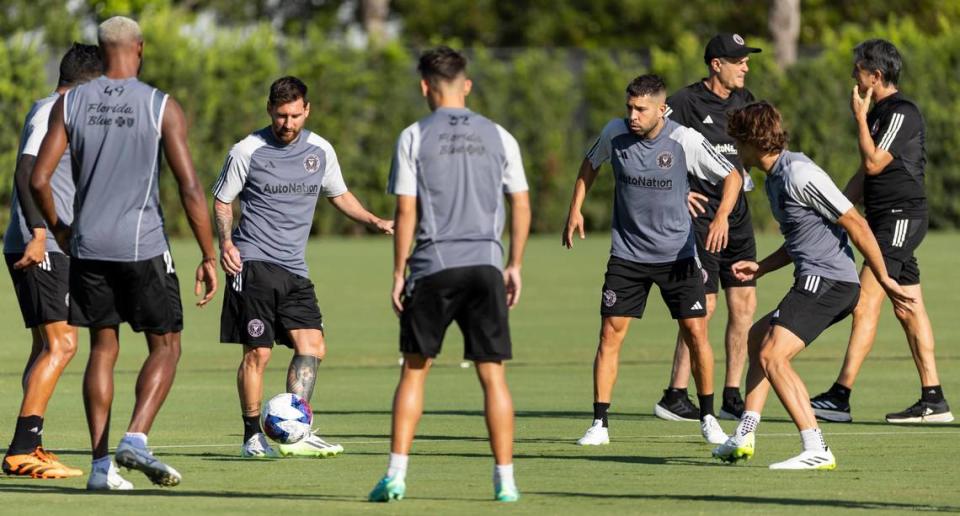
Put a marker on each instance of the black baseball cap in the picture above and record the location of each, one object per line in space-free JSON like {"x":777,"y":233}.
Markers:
{"x":727,"y":45}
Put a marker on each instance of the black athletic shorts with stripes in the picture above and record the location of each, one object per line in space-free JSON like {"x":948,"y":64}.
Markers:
{"x":144,"y":294}
{"x":43,"y":290}
{"x":627,"y":285}
{"x":813,"y":304}
{"x":899,"y":236}
{"x":264,"y":302}
{"x":474,"y":297}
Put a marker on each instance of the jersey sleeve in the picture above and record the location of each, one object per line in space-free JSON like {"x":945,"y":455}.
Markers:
{"x":332,"y":184}
{"x":35,"y":129}
{"x":899,"y":128}
{"x":677,"y":107}
{"x":233,"y":175}
{"x":812,"y":187}
{"x":403,"y":167}
{"x":703,"y":161}
{"x":514,"y":179}
{"x":600,"y":151}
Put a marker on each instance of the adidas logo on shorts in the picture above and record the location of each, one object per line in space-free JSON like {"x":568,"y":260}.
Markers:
{"x":697,"y":306}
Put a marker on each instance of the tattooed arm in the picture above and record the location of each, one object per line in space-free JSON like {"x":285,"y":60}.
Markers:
{"x":229,"y":254}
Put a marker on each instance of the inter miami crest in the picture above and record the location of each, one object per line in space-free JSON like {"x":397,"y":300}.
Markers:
{"x":255,"y":328}
{"x":311,"y":163}
{"x":665,"y":160}
{"x":738,"y":39}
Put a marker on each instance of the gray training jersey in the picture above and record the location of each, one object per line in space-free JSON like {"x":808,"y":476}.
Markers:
{"x":278,"y":185}
{"x":651,"y":222}
{"x":34,"y":129}
{"x":807,"y":205}
{"x":113,"y":126}
{"x":458,"y":164}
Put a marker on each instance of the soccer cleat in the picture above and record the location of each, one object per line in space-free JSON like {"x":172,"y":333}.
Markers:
{"x":257,"y":447}
{"x":505,"y":494}
{"x":830,"y":407}
{"x":109,"y":480}
{"x":711,"y":431}
{"x":133,"y":457}
{"x":387,"y":490}
{"x":678,"y":409}
{"x":311,"y":446}
{"x":732,"y":408}
{"x":923,"y":412}
{"x":736,"y":448}
{"x":596,"y":435}
{"x":38,"y":464}
{"x":809,"y":460}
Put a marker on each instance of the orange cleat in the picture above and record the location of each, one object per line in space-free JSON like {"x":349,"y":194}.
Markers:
{"x":38,"y":464}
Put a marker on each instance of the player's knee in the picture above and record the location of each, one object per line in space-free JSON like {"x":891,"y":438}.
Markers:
{"x":257,"y":358}
{"x":63,"y":347}
{"x":742,"y":311}
{"x":771,"y":359}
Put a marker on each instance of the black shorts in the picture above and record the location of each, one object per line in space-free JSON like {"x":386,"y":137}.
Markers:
{"x":899,"y":237}
{"x":741,"y":245}
{"x":813,"y":304}
{"x":43,"y":290}
{"x":264,"y":302}
{"x":145,"y":294}
{"x":474,"y":297}
{"x":627,"y":284}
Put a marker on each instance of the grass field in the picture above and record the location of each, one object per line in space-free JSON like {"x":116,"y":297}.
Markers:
{"x":650,"y":467}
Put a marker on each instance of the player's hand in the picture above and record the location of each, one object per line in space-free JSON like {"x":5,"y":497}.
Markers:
{"x":383,"y":226}
{"x":903,"y":303}
{"x":860,"y":105}
{"x":574,"y":223}
{"x":230,"y":258}
{"x":34,"y":253}
{"x":396,"y":294}
{"x":207,"y":277}
{"x":717,"y":235}
{"x":511,"y":279}
{"x":745,"y":270}
{"x":696,"y":204}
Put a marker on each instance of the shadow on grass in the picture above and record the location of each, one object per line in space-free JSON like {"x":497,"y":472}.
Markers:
{"x":555,"y":414}
{"x":760,"y":500}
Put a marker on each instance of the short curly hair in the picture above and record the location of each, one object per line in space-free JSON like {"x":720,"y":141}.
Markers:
{"x":758,"y":124}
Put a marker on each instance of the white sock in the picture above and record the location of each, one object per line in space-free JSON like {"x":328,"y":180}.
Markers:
{"x":136,"y":438}
{"x":812,"y":440}
{"x":103,"y":464}
{"x":397,"y":468}
{"x":748,"y":423}
{"x":503,"y":476}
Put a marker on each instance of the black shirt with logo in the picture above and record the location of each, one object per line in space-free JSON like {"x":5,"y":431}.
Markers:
{"x":696,"y":107}
{"x":897,"y":127}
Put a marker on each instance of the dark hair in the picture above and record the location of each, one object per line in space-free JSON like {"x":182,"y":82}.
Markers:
{"x":879,"y":55}
{"x":80,"y":64}
{"x":758,"y":124}
{"x":441,"y":64}
{"x":646,"y":85}
{"x":287,"y":89}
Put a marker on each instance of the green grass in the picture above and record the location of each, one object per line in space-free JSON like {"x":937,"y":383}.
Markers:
{"x":650,"y":467}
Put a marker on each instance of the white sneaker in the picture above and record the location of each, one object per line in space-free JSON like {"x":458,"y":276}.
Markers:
{"x":257,"y":447}
{"x":132,"y":456}
{"x":809,"y":460}
{"x":596,"y":435}
{"x":711,"y":431}
{"x":736,"y":448}
{"x":311,"y":446}
{"x":109,"y":480}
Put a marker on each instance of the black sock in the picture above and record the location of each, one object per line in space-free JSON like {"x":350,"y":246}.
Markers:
{"x":932,"y":393}
{"x":840,"y":391}
{"x":27,"y":435}
{"x":251,"y":426}
{"x":731,"y":393}
{"x":672,"y":393}
{"x":706,"y":405}
{"x":600,"y":412}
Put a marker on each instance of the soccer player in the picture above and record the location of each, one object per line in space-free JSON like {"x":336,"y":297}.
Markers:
{"x":451,"y":171}
{"x":653,"y":238}
{"x":703,"y":106}
{"x":891,"y":138}
{"x":816,"y":220}
{"x":41,"y":277}
{"x":278,"y":172}
{"x":121,"y":269}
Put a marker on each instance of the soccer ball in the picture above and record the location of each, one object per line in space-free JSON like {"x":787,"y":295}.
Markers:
{"x":287,"y":418}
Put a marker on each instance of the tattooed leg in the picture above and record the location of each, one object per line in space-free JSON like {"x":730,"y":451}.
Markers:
{"x":302,"y":375}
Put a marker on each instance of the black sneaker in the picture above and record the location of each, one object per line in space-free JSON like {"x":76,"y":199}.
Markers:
{"x":732,"y":408}
{"x":678,"y":409}
{"x":830,"y":407}
{"x":923,"y":412}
